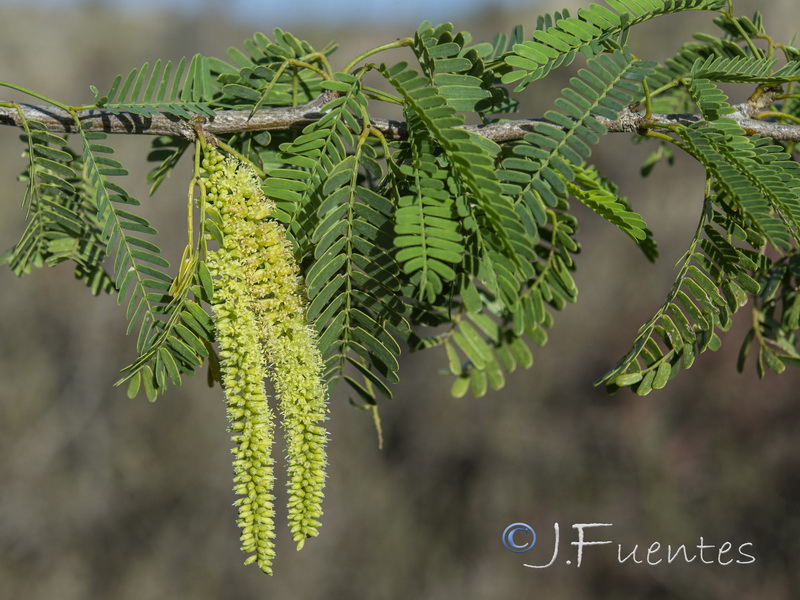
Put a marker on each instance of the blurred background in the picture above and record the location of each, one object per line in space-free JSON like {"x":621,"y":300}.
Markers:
{"x":106,"y":497}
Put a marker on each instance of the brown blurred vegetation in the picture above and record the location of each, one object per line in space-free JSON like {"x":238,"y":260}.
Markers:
{"x":106,"y":497}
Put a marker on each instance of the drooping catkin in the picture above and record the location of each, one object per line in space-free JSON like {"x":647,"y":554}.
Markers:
{"x":296,"y":370}
{"x":260,"y":310}
{"x":251,"y":421}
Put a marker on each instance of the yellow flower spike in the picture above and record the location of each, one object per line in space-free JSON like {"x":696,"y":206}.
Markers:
{"x":251,"y":420}
{"x":260,"y":319}
{"x":297,"y":368}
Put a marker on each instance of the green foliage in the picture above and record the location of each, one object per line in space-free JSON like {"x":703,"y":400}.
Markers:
{"x":756,"y":178}
{"x":62,"y":222}
{"x":165,"y":345}
{"x":600,"y":195}
{"x":469,"y":240}
{"x":711,"y":285}
{"x":557,"y":40}
{"x":270,"y":73}
{"x":161,"y":90}
{"x":433,"y":233}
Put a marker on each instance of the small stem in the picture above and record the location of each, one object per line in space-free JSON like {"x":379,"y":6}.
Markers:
{"x":36,"y":95}
{"x":777,"y":114}
{"x":321,"y":58}
{"x":666,"y":86}
{"x":377,"y":94}
{"x":770,"y":45}
{"x":753,"y":48}
{"x":376,"y":419}
{"x":757,"y":325}
{"x":309,"y":66}
{"x":396,"y":44}
{"x":381,"y":138}
{"x":197,"y":182}
{"x":291,"y":62}
{"x":202,"y":246}
{"x":30,"y":189}
{"x":648,"y":101}
{"x":759,"y":91}
{"x":657,"y":134}
{"x":241,"y":157}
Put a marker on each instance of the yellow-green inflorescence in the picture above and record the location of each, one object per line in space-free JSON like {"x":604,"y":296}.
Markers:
{"x":260,"y":309}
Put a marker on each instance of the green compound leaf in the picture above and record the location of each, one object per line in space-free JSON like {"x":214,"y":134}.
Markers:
{"x":153,"y":303}
{"x":542,"y":167}
{"x":265,"y":72}
{"x":755,"y":180}
{"x":428,"y":112}
{"x":706,"y":293}
{"x":427,"y":226}
{"x":601,"y":196}
{"x":343,"y":228}
{"x":713,"y":103}
{"x":559,"y":40}
{"x":146,"y":91}
{"x":61,"y":220}
{"x":488,"y":351}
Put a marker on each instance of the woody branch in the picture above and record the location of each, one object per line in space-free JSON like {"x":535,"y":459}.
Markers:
{"x":283,"y":118}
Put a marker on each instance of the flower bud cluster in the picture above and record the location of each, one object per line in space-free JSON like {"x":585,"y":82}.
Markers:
{"x":261,"y":328}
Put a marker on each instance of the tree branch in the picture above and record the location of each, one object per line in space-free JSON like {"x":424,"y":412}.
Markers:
{"x":276,"y":119}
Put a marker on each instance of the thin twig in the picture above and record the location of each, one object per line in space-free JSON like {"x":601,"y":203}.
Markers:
{"x":275,"y":119}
